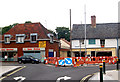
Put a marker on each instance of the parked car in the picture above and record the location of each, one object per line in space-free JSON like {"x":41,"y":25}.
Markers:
{"x":28,"y":59}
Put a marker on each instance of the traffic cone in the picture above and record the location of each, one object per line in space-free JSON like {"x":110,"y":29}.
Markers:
{"x":56,"y":64}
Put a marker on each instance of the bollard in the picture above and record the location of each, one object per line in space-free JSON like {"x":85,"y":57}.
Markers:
{"x":104,"y":66}
{"x":101,"y":74}
{"x":117,"y":64}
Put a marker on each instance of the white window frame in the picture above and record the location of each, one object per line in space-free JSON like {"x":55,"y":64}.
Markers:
{"x":5,"y":36}
{"x":33,"y":34}
{"x":20,"y":35}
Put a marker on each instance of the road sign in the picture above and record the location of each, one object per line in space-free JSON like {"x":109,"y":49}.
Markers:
{"x":61,"y":62}
{"x":68,"y":61}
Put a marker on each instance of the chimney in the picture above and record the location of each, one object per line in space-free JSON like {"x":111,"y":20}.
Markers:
{"x":93,"y":21}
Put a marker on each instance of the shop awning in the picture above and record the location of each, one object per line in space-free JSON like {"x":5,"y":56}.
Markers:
{"x":33,"y":49}
{"x":7,"y":49}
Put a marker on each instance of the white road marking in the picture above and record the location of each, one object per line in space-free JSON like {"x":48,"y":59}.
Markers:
{"x":20,"y":77}
{"x":64,"y":78}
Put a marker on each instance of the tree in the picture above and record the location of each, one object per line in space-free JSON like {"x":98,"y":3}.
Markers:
{"x":7,"y":28}
{"x":63,"y":32}
{"x":28,"y":22}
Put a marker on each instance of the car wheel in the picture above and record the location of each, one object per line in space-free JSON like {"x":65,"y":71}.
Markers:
{"x":24,"y":62}
{"x":20,"y":62}
{"x":33,"y":62}
{"x":37,"y":62}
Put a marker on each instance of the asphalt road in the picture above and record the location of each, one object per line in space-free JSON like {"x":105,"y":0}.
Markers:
{"x":40,"y":72}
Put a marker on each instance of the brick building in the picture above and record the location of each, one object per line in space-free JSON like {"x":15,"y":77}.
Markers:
{"x":29,"y":39}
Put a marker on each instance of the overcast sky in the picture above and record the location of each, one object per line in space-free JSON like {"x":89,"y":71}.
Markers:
{"x":55,"y":13}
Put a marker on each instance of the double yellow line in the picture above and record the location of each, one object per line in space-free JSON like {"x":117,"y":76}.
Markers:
{"x":12,"y":73}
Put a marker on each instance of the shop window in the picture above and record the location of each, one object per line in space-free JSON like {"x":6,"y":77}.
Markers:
{"x":102,"y":43}
{"x":91,"y":41}
{"x":33,"y":37}
{"x":7,"y":38}
{"x":20,"y":38}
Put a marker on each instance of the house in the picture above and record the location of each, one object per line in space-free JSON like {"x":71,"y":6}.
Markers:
{"x":102,"y":40}
{"x":64,"y":48}
{"x":29,"y":39}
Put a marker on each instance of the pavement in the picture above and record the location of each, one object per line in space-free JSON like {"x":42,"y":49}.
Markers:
{"x":6,"y":69}
{"x":111,"y":75}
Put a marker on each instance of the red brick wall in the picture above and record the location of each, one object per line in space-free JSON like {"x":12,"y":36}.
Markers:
{"x":20,"y":47}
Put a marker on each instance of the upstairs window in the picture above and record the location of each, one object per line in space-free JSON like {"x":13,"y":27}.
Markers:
{"x":51,"y":38}
{"x":92,"y":41}
{"x":33,"y":37}
{"x":20,"y":38}
{"x":102,"y":43}
{"x":7,"y":38}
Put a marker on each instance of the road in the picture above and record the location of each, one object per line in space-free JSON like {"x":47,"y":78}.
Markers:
{"x":38,"y":72}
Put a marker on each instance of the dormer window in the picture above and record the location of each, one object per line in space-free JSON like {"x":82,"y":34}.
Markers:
{"x":51,"y":37}
{"x":20,"y":38}
{"x":33,"y":37}
{"x":7,"y":38}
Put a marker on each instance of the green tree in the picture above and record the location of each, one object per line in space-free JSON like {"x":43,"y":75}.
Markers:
{"x":28,"y":22}
{"x":63,"y":32}
{"x":7,"y":28}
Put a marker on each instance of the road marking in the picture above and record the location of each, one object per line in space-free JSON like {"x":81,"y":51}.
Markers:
{"x":12,"y":73}
{"x":83,"y":79}
{"x":64,"y":78}
{"x":20,"y":77}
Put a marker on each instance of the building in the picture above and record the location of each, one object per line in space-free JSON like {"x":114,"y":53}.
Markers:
{"x":29,"y":39}
{"x":64,"y":48}
{"x":102,"y":40}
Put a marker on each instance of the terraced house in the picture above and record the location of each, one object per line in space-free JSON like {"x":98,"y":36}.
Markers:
{"x":29,"y":39}
{"x":102,"y":40}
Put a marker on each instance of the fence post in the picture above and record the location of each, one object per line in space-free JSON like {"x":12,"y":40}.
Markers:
{"x":117,"y":64}
{"x":104,"y":66}
{"x":101,"y":74}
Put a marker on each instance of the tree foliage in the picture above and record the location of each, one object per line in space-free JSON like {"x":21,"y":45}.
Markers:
{"x":28,"y":22}
{"x":63,"y":32}
{"x":7,"y":28}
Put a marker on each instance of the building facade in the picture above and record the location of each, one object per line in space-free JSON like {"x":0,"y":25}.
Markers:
{"x":29,"y":39}
{"x":102,"y":40}
{"x":64,"y":48}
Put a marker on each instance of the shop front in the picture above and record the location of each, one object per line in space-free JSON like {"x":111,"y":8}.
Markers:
{"x":8,"y":54}
{"x":35,"y":52}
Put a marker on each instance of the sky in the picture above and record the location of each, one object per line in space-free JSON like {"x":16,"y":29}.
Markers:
{"x":55,"y":13}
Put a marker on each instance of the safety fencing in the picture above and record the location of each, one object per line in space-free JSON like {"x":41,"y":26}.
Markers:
{"x":77,"y":61}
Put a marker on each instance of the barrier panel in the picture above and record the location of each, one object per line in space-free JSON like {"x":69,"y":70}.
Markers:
{"x":77,"y":61}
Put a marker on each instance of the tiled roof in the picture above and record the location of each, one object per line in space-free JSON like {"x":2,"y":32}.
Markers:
{"x":28,"y":28}
{"x":102,"y":31}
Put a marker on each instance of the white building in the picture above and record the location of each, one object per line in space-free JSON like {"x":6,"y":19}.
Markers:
{"x":103,"y":40}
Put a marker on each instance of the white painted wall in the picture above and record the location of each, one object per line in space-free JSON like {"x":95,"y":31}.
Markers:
{"x":108,"y":43}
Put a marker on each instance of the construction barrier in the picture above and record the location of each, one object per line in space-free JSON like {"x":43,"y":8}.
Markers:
{"x":77,"y":61}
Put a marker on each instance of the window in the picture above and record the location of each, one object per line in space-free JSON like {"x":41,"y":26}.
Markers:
{"x":102,"y":43}
{"x":20,"y":38}
{"x":7,"y":38}
{"x":33,"y":37}
{"x":91,"y":41}
{"x":51,"y":39}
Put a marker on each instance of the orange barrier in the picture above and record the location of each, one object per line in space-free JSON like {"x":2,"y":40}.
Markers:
{"x":77,"y":61}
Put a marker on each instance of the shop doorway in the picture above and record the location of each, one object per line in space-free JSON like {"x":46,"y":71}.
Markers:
{"x":109,"y":53}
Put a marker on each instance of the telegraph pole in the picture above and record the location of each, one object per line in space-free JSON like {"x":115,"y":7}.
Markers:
{"x":70,"y":36}
{"x":85,"y":28}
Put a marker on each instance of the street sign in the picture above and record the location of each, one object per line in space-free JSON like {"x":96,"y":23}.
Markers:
{"x":61,"y":62}
{"x":42,"y":44}
{"x":68,"y":61}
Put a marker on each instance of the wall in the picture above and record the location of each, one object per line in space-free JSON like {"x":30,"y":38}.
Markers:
{"x":108,"y":43}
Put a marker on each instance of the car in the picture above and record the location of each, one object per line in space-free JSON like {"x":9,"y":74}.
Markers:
{"x":28,"y":59}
